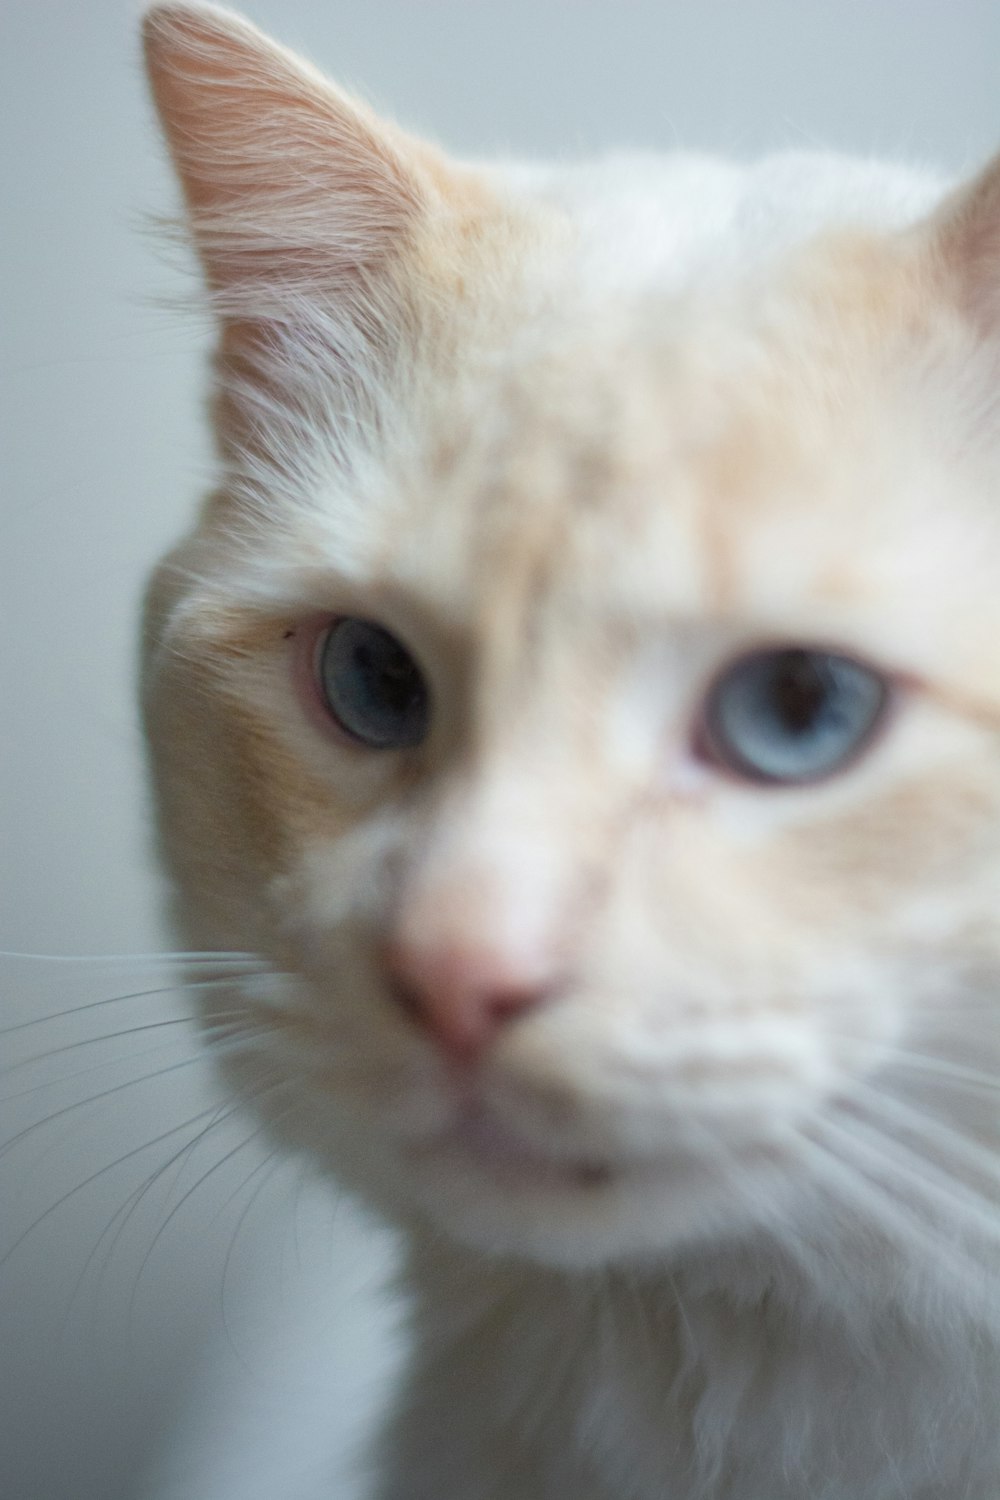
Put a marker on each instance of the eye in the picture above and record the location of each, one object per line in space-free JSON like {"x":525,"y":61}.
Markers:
{"x":372,"y":686}
{"x":792,"y":715}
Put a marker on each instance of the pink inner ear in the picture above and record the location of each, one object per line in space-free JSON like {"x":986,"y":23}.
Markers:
{"x":277,"y":165}
{"x":966,"y":241}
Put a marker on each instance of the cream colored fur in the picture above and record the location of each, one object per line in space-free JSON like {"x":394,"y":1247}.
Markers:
{"x":579,"y":436}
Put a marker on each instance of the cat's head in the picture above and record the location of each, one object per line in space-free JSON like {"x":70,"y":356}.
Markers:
{"x":583,"y":686}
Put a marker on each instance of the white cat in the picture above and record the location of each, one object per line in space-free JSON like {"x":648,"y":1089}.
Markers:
{"x":583,"y":691}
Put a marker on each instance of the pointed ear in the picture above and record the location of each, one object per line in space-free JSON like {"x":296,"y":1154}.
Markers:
{"x":965,"y":237}
{"x":286,"y":179}
{"x":324,"y":232}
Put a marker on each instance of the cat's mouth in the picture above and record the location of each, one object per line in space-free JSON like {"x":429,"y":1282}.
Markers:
{"x":479,"y":1140}
{"x":481,"y":1175}
{"x":508,"y":1157}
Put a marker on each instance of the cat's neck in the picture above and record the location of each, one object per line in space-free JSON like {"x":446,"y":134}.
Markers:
{"x":684,"y":1367}
{"x":751,"y":1283}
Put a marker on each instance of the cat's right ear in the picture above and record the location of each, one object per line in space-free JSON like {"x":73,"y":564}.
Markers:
{"x":965,"y":243}
{"x":288,"y":182}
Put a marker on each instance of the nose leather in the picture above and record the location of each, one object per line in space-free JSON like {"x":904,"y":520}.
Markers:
{"x":464,"y":994}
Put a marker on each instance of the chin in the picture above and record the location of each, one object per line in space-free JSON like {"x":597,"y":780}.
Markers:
{"x":590,"y":1215}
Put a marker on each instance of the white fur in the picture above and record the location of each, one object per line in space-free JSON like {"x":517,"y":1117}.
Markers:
{"x":739,"y":1256}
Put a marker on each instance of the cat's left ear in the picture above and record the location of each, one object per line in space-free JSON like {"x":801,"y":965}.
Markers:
{"x":965,"y":245}
{"x":325,"y":232}
{"x":286,"y":178}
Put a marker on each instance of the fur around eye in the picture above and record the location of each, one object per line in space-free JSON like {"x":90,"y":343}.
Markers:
{"x":792,"y":715}
{"x":371,"y":686}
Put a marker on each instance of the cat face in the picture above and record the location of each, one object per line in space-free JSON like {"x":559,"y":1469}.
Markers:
{"x":583,"y":688}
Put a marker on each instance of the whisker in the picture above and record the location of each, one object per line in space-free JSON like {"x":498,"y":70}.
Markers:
{"x":882,"y":1150}
{"x":51,"y":1083}
{"x":78,"y":1010}
{"x":216,"y":1166}
{"x":218,"y":1117}
{"x":272,"y":1088}
{"x":118,"y":1088}
{"x":110,"y":1036}
{"x":941,"y":1068}
{"x":93,"y":1041}
{"x":274,"y":1160}
{"x":95,"y":1176}
{"x":880,"y":1209}
{"x":939,"y":1132}
{"x":194,"y":957}
{"x":859,"y":1191}
{"x":296,"y":1210}
{"x":763,"y":1202}
{"x":209,"y":1042}
{"x":196,"y":1186}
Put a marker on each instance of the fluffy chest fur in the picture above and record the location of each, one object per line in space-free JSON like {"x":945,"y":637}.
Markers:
{"x":648,"y":1387}
{"x":582,"y":695}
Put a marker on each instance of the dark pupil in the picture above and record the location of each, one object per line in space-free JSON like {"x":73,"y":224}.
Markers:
{"x":800,"y":692}
{"x":388,"y":675}
{"x":793,"y":715}
{"x":372,"y":685}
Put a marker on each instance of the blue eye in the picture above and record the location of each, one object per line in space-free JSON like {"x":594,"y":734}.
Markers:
{"x":372,"y":686}
{"x":792,"y":715}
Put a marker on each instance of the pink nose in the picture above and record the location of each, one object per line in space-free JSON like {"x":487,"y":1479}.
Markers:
{"x":464,"y":995}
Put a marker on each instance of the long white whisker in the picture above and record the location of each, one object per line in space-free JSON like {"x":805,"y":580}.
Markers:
{"x":764,"y":1205}
{"x":861,"y":1194}
{"x":95,"y":1176}
{"x":881,"y":1150}
{"x":94,"y":1041}
{"x":941,"y":1133}
{"x":880,"y":1209}
{"x":943,"y":1069}
{"x":118,"y":1088}
{"x":210,"y":1037}
{"x":51,"y":1083}
{"x":215,"y":1167}
{"x":194,"y":957}
{"x":219,"y":1115}
{"x":273,"y":1161}
{"x":168,"y":989}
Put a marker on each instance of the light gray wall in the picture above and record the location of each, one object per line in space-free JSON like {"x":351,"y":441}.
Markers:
{"x":101,"y":455}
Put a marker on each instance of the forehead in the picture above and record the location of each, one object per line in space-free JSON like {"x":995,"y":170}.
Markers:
{"x":763,"y":457}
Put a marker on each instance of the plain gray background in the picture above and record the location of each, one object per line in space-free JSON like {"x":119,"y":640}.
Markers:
{"x":224,"y":1357}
